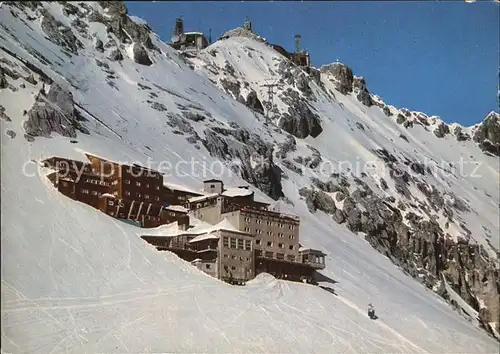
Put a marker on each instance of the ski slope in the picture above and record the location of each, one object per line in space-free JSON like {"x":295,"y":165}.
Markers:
{"x":74,"y":280}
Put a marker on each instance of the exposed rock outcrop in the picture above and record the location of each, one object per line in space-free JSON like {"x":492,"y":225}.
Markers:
{"x":123,"y":27}
{"x":3,"y":80}
{"x":289,"y":145}
{"x":487,"y":134}
{"x":4,"y":115}
{"x":460,"y":135}
{"x":59,"y":34}
{"x":318,"y":200}
{"x":441,"y":130}
{"x":265,"y":174}
{"x":254,"y":103}
{"x":116,"y":55}
{"x":99,"y":46}
{"x":341,"y":75}
{"x":300,"y":121}
{"x":362,"y":93}
{"x":267,"y":177}
{"x":53,"y":113}
{"x":141,"y":55}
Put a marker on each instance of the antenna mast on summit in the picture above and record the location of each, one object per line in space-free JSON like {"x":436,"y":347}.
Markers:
{"x":270,"y":93}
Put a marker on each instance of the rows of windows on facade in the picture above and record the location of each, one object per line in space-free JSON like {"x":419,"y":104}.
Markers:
{"x":263,"y":233}
{"x":126,"y":192}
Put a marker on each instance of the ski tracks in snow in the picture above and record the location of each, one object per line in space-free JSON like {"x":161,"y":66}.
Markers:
{"x":382,"y":324}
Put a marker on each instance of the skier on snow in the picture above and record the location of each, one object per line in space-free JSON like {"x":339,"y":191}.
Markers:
{"x":371,"y":311}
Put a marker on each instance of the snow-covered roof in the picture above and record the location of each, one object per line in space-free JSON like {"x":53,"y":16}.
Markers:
{"x":181,"y":187}
{"x":224,"y":225}
{"x":203,"y":197}
{"x":207,"y":236}
{"x":178,"y":208}
{"x":198,"y":227}
{"x":236,"y":192}
{"x":167,"y":230}
{"x":194,"y":32}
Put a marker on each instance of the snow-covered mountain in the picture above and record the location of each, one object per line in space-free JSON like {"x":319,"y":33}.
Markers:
{"x":405,"y":205}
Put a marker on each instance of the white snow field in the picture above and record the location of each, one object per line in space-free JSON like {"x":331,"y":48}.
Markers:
{"x":77,"y":281}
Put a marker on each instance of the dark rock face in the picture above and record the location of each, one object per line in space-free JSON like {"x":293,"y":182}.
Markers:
{"x":158,"y":106}
{"x":328,"y":187}
{"x":123,"y":27}
{"x":408,"y":124}
{"x":54,"y":113}
{"x":362,"y":93}
{"x":387,"y":111}
{"x":265,"y":175}
{"x":406,"y":112}
{"x":302,"y":83}
{"x":300,"y":121}
{"x":441,"y":130}
{"x":3,"y":115}
{"x":365,"y":98}
{"x":488,"y":134}
{"x":116,"y":55}
{"x":316,"y":158}
{"x":216,"y":145}
{"x":360,"y":126}
{"x":10,"y":133}
{"x":284,"y":148}
{"x":99,"y":46}
{"x":232,"y":87}
{"x":383,"y":184}
{"x":292,"y":167}
{"x":400,"y":119}
{"x":460,"y":135}
{"x":60,"y":34}
{"x":254,"y":103}
{"x":70,"y":9}
{"x":31,"y":79}
{"x":141,"y":55}
{"x":3,"y":80}
{"x":339,"y":216}
{"x":193,"y":116}
{"x":318,"y":200}
{"x":342,"y":74}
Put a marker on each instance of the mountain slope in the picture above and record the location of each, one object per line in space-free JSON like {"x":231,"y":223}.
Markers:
{"x":434,"y":188}
{"x":76,"y":280}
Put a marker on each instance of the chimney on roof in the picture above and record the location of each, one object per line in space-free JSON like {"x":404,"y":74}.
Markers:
{"x":297,"y":43}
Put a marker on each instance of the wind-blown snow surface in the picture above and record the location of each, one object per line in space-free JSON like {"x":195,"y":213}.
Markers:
{"x":75,"y":280}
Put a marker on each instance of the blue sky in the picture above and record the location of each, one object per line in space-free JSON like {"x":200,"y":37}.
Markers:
{"x":441,"y":58}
